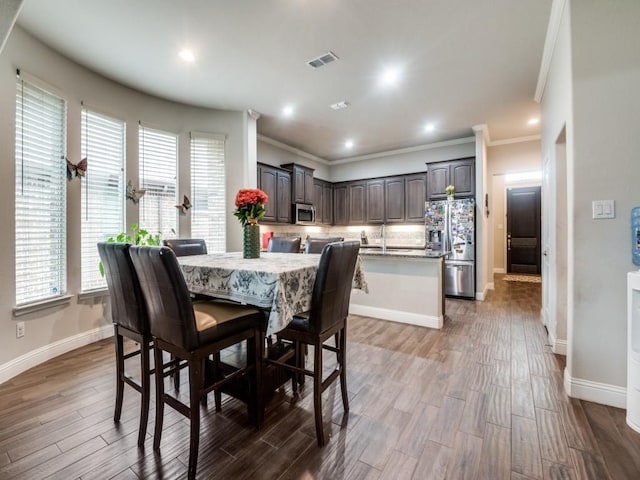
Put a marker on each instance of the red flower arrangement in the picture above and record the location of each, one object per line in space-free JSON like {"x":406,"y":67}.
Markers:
{"x":250,"y":204}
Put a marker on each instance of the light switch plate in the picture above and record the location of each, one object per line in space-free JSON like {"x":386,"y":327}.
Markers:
{"x":603,"y":209}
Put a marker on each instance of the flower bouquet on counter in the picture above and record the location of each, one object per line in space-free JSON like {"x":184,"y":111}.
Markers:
{"x":250,"y":204}
{"x":450,"y":190}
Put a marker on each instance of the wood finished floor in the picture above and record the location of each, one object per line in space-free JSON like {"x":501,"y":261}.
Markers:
{"x":482,"y":398}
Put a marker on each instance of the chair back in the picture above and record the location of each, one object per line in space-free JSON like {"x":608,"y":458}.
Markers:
{"x":127,"y":304}
{"x":284,"y":245}
{"x":166,"y":295}
{"x":186,"y":246}
{"x":332,"y":288}
{"x":315,"y":245}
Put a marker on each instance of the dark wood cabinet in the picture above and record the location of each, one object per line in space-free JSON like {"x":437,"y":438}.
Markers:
{"x":323,"y":201}
{"x":415,"y":196}
{"x":459,"y":173}
{"x":302,"y":183}
{"x":276,"y":183}
{"x":394,"y":199}
{"x":340,"y":204}
{"x":357,"y":197}
{"x":374,"y":209}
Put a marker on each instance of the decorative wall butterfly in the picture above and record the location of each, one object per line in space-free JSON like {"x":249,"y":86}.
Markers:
{"x":186,"y":205}
{"x":134,"y":194}
{"x":78,"y":170}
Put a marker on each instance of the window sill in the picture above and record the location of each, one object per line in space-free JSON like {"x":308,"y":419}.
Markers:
{"x":102,"y":292}
{"x":28,"y":308}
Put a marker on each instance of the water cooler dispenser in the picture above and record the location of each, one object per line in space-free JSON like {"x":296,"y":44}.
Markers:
{"x":633,"y":350}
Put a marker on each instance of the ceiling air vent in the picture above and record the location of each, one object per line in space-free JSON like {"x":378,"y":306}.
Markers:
{"x":322,"y":60}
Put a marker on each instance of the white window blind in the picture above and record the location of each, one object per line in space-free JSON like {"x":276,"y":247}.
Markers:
{"x":102,"y":202}
{"x":158,"y":167}
{"x":208,"y":212}
{"x":40,"y":209}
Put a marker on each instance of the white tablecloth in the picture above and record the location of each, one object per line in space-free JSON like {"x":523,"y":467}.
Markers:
{"x":282,"y":282}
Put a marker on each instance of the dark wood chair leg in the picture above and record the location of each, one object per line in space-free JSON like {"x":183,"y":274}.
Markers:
{"x":217,"y":393}
{"x":145,"y":391}
{"x":176,"y":376}
{"x":258,"y":347}
{"x":119,"y":374}
{"x":317,"y":392}
{"x":196,"y":384}
{"x":342,"y":364}
{"x":159,"y":367}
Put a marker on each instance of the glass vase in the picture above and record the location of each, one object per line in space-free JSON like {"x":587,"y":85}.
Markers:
{"x":251,"y":241}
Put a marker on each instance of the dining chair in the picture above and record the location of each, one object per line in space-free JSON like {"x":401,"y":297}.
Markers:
{"x":327,"y":318}
{"x":284,"y":244}
{"x":130,"y":320}
{"x":315,"y":245}
{"x":192,"y":331}
{"x":186,"y":246}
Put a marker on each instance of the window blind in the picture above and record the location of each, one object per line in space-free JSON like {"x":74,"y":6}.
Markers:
{"x":158,"y":166}
{"x":102,"y":202}
{"x":208,"y":212}
{"x":40,"y":206}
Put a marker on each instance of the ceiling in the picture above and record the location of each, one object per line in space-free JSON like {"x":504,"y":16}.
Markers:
{"x":460,"y":63}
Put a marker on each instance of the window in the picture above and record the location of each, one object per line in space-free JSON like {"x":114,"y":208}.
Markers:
{"x":102,"y":202}
{"x":158,"y":167}
{"x":40,"y":209}
{"x":208,"y":213}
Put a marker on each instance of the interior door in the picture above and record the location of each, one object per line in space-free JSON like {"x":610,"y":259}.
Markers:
{"x":523,"y":230}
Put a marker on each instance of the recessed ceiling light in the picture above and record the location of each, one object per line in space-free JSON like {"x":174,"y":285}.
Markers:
{"x":339,"y":105}
{"x":287,"y":111}
{"x":533,"y":121}
{"x":429,"y":127}
{"x":390,"y":76}
{"x":348,"y":144}
{"x":187,"y":55}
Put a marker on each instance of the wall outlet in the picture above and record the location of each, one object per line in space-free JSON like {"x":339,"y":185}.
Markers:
{"x":19,"y":329}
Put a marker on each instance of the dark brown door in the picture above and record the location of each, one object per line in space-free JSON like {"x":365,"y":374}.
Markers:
{"x":523,"y":230}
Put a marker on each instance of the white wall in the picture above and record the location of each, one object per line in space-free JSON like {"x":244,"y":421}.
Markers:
{"x":78,"y":84}
{"x":398,"y":163}
{"x":273,"y":155}
{"x":592,"y":90}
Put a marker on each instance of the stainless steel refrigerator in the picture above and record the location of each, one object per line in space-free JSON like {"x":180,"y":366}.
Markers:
{"x":450,"y":225}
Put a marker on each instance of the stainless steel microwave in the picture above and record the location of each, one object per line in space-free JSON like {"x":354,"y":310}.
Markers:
{"x":304,"y":214}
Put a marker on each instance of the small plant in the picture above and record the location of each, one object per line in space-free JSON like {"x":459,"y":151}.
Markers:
{"x":250,"y":204}
{"x":449,"y":190}
{"x":140,"y":237}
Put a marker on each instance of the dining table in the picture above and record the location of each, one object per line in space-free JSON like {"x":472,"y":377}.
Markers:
{"x":281,"y":283}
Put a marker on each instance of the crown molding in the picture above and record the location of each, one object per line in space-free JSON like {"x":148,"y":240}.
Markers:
{"x":293,"y":150}
{"x":429,"y":146}
{"x":508,"y":141}
{"x":9,"y":11}
{"x":557,"y":9}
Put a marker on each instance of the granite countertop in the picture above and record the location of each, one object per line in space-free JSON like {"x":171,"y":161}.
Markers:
{"x":402,"y":252}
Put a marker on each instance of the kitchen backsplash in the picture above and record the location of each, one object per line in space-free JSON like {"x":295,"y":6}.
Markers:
{"x":409,"y":235}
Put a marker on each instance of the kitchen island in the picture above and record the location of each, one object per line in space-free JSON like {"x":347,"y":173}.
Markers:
{"x":405,"y":285}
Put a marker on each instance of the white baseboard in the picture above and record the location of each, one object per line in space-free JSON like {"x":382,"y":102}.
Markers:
{"x":603,"y":393}
{"x":42,"y":354}
{"x":559,"y":347}
{"x":499,"y":270}
{"x":491,"y":286}
{"x":397,"y":316}
{"x":483,"y":294}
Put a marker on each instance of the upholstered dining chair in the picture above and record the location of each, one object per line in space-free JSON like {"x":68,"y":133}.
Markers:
{"x":192,"y":331}
{"x":284,"y":244}
{"x":327,"y":318}
{"x":130,"y":320}
{"x":315,"y":245}
{"x":186,"y":246}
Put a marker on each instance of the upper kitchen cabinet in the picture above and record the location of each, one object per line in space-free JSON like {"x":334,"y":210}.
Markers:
{"x":357,"y":198}
{"x":375,"y":201}
{"x":394,"y":199}
{"x":341,"y":204}
{"x":459,"y":173}
{"x":415,"y":196}
{"x":302,"y":183}
{"x":323,"y":201}
{"x":276,"y":183}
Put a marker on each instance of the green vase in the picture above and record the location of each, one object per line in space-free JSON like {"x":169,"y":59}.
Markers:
{"x":251,"y":241}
